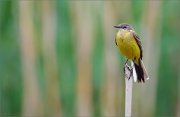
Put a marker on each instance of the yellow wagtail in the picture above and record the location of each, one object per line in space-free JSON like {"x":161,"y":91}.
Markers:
{"x":129,"y":45}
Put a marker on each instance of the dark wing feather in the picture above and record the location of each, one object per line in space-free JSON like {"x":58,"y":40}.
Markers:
{"x":115,"y":42}
{"x":136,"y":37}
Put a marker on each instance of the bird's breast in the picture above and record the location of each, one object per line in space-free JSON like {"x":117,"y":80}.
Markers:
{"x":126,"y":43}
{"x":124,"y":38}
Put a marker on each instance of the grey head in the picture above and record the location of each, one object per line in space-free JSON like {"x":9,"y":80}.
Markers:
{"x":124,"y":26}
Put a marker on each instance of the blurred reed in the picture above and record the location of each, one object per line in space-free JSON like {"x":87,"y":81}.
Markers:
{"x":84,"y":51}
{"x":58,"y":58}
{"x":31,"y":98}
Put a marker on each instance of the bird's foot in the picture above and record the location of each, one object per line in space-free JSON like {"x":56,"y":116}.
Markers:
{"x":128,"y":71}
{"x":131,"y":73}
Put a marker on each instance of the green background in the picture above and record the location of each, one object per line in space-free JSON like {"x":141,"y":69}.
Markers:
{"x":58,"y":58}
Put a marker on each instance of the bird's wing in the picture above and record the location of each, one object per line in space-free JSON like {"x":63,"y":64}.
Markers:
{"x":116,"y":42}
{"x":136,"y":37}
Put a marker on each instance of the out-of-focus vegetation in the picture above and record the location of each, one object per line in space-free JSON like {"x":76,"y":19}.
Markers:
{"x":58,"y":58}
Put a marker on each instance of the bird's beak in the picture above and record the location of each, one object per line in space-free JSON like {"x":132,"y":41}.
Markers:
{"x":117,"y":27}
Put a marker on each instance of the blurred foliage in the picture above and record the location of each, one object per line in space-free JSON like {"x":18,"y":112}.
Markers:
{"x":97,"y":63}
{"x":11,"y":80}
{"x":66,"y":57}
{"x":168,"y":83}
{"x":10,"y":68}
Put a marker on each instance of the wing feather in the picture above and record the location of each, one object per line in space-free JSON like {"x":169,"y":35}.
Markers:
{"x":136,"y":37}
{"x":116,"y":42}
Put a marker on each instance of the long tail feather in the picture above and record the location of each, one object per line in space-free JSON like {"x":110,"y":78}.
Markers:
{"x":145,"y":71}
{"x":139,"y":71}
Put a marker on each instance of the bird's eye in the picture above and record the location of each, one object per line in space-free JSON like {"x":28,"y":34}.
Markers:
{"x":124,"y":27}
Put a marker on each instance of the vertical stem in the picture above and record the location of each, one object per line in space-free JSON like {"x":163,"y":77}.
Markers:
{"x":111,"y":81}
{"x":151,"y":33}
{"x":31,"y":99}
{"x":128,"y":90}
{"x":49,"y":55}
{"x":84,"y":40}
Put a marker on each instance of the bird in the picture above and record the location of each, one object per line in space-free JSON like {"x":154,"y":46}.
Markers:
{"x":129,"y":45}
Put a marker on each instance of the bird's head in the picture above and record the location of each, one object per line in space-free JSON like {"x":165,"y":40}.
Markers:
{"x":124,"y":26}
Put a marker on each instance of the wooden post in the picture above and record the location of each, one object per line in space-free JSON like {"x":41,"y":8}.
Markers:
{"x":128,"y":91}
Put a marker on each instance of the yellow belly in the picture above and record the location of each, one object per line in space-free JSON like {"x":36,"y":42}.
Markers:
{"x":127,"y":45}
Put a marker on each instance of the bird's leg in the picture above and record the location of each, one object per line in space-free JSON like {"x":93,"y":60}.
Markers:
{"x":126,"y":61}
{"x":131,"y":72}
{"x":128,"y":70}
{"x":126,"y":65}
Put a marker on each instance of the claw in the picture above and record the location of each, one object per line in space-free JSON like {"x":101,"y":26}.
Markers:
{"x":128,"y":71}
{"x":131,"y":73}
{"x":126,"y":65}
{"x":126,"y":61}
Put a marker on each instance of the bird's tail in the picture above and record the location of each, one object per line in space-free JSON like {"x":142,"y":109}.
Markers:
{"x":139,"y":71}
{"x":146,"y":76}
